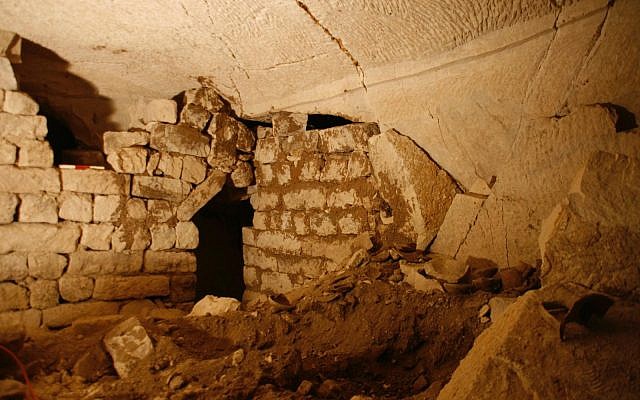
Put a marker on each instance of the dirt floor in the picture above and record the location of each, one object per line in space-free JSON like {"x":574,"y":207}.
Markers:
{"x":356,"y":333}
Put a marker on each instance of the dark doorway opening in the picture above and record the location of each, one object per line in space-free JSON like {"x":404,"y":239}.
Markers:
{"x":219,"y":254}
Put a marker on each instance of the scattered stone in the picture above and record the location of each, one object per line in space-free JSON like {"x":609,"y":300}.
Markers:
{"x":161,"y":110}
{"x":176,"y":382}
{"x":237,"y":357}
{"x":413,"y":277}
{"x":75,"y":206}
{"x":35,"y":153}
{"x":212,"y":305}
{"x":154,"y":187}
{"x":201,"y":195}
{"x":127,"y":343}
{"x":138,"y":308}
{"x":484,"y":311}
{"x":329,"y":389}
{"x":10,"y":388}
{"x":420,"y":384}
{"x":304,"y":388}
{"x":19,"y":103}
{"x":418,"y":191}
{"x":114,"y":141}
{"x":75,"y":288}
{"x":511,"y":278}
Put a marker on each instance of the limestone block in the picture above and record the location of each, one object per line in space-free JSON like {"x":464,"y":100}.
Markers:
{"x":35,"y":153}
{"x":136,"y":209}
{"x":264,"y":200}
{"x":591,"y":238}
{"x":179,"y":139}
{"x":75,"y":288}
{"x":275,"y":282}
{"x":13,"y":267}
{"x":90,"y":263}
{"x":129,"y":160}
{"x":152,"y":163}
{"x":7,"y":153}
{"x":13,"y":297}
{"x":8,"y":204}
{"x":43,"y":294}
{"x":183,"y":288}
{"x":304,"y":266}
{"x":130,"y":287}
{"x":7,"y":78}
{"x":19,"y":103}
{"x":95,"y":181}
{"x":300,"y":224}
{"x":108,"y":208}
{"x":60,"y":238}
{"x":305,"y":199}
{"x":267,"y":150}
{"x":155,"y":187}
{"x":282,"y":172}
{"x":75,"y":206}
{"x":263,"y":132}
{"x":311,"y":168}
{"x":347,"y":138}
{"x":128,"y":344}
{"x":249,"y":236}
{"x":457,"y":223}
{"x":279,"y":242}
{"x":264,"y":174}
{"x":64,"y":314}
{"x":242,"y":175}
{"x":163,"y":237}
{"x":46,"y":265}
{"x":114,"y":141}
{"x":195,"y":116}
{"x":213,"y":305}
{"x":250,"y":276}
{"x":186,"y":235}
{"x":261,"y":220}
{"x":300,"y":144}
{"x":194,"y":169}
{"x":335,"y":168}
{"x":354,"y":223}
{"x":359,"y":165}
{"x":161,"y":110}
{"x":17,"y":128}
{"x":282,"y":221}
{"x":169,"y":262}
{"x":259,"y":258}
{"x":339,"y":250}
{"x":169,"y":165}
{"x":38,"y":208}
{"x":343,"y":199}
{"x":288,"y":124}
{"x":97,"y":236}
{"x":160,"y":211}
{"x":204,"y":97}
{"x":224,"y":133}
{"x":201,"y":195}
{"x":322,"y":224}
{"x":130,"y":236}
{"x":246,"y":138}
{"x":417,"y":190}
{"x":28,"y":180}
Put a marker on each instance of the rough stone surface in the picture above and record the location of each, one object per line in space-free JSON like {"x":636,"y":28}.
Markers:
{"x":35,"y":153}
{"x":417,"y":190}
{"x":108,"y":208}
{"x":38,"y":208}
{"x":13,"y":297}
{"x":169,"y":261}
{"x":194,"y":169}
{"x":7,"y":153}
{"x":64,"y":314}
{"x":242,"y":175}
{"x":195,"y":116}
{"x":457,"y":223}
{"x":592,"y":237}
{"x":204,"y":97}
{"x":224,"y":133}
{"x":91,"y":263}
{"x":114,"y":141}
{"x":75,"y":206}
{"x":43,"y":294}
{"x":212,"y":305}
{"x":46,"y":265}
{"x":186,"y":235}
{"x":95,"y":181}
{"x":8,"y":204}
{"x":28,"y":180}
{"x":96,"y":236}
{"x":7,"y":78}
{"x":201,"y":195}
{"x":160,"y":210}
{"x":183,"y":288}
{"x":169,"y":165}
{"x":161,"y":110}
{"x":163,"y":237}
{"x":75,"y":288}
{"x":13,"y":267}
{"x":130,"y":160}
{"x":127,"y":343}
{"x":130,"y":287}
{"x":155,"y":187}
{"x":179,"y":139}
{"x":19,"y":103}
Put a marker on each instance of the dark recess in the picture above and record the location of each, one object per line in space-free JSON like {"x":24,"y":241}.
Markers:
{"x":323,"y":121}
{"x":219,"y":254}
{"x":626,"y":120}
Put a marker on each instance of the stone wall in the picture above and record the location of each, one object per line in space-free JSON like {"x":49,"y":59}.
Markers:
{"x":315,"y":203}
{"x":80,"y":241}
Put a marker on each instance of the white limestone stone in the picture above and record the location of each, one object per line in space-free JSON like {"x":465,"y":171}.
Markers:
{"x":19,"y":103}
{"x":97,"y":236}
{"x":17,"y":128}
{"x":161,"y":110}
{"x":127,"y":343}
{"x":54,"y":238}
{"x":179,"y":139}
{"x":13,"y":267}
{"x":35,"y":153}
{"x":114,"y":141}
{"x":201,"y":195}
{"x":75,"y":288}
{"x":7,"y":78}
{"x":186,"y":235}
{"x":38,"y":208}
{"x":194,"y":169}
{"x":169,"y":262}
{"x":160,"y":210}
{"x":75,"y":206}
{"x":28,"y":180}
{"x":163,"y":237}
{"x":43,"y":294}
{"x":169,"y":165}
{"x":129,"y":160}
{"x":94,"y":181}
{"x":13,"y":297}
{"x":160,"y":188}
{"x":211,"y":306}
{"x":242,"y":175}
{"x":46,"y":265}
{"x":108,"y":208}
